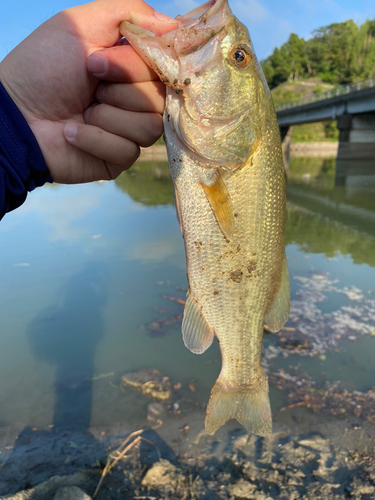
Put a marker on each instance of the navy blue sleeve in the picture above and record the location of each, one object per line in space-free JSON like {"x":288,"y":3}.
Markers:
{"x":22,"y":166}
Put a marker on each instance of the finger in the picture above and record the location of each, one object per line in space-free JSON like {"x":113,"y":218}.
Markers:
{"x":99,"y":21}
{"x":141,"y":128}
{"x":111,"y":148}
{"x":119,"y":64}
{"x":140,"y":96}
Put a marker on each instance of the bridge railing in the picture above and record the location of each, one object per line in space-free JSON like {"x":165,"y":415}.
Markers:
{"x":329,"y":94}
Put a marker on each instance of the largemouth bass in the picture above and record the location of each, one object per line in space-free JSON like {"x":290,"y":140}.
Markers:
{"x":225,"y":157}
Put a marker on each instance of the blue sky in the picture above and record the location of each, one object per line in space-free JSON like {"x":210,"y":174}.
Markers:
{"x":270,"y":21}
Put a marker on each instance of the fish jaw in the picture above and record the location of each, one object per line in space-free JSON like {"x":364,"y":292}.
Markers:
{"x":162,"y":53}
{"x":156,"y":51}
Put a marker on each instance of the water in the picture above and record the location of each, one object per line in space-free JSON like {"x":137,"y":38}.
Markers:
{"x":84,"y":271}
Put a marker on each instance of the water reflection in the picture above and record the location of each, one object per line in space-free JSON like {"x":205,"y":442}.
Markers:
{"x":148,"y":183}
{"x":66,"y":335}
{"x":114,"y":286}
{"x":311,"y":186}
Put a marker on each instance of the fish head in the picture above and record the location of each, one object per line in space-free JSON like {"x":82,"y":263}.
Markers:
{"x":217,"y":93}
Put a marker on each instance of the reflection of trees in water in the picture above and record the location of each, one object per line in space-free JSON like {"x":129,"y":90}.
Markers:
{"x":316,"y":234}
{"x":148,"y":183}
{"x":338,"y":220}
{"x":151,"y":184}
{"x":66,"y":335}
{"x":319,"y":170}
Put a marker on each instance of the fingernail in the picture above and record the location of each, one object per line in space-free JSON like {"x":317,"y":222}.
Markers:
{"x":97,"y":65}
{"x":70,"y":130}
{"x":87,"y":111}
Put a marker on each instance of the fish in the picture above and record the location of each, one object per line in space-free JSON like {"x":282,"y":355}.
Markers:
{"x":224,"y":152}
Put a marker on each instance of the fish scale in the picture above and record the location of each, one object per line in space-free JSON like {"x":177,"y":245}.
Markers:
{"x":225,"y":157}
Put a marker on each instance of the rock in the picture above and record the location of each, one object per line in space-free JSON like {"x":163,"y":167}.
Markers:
{"x":150,"y":382}
{"x":46,"y":490}
{"x":242,"y":489}
{"x":155,"y":411}
{"x":363,"y":489}
{"x":163,"y":476}
{"x":316,"y":443}
{"x":71,"y":493}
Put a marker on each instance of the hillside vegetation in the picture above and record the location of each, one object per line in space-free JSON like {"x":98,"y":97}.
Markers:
{"x":309,"y":132}
{"x":336,"y":54}
{"x":339,"y":53}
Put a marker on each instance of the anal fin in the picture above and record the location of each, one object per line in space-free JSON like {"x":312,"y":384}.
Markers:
{"x":219,"y":199}
{"x":279,"y":312}
{"x":196,"y":332}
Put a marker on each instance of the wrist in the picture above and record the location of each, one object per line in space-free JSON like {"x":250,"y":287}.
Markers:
{"x":22,"y":166}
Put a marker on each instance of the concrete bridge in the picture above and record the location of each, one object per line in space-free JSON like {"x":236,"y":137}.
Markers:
{"x":353,"y":106}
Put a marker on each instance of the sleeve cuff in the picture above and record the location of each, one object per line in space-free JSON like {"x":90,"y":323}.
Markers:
{"x":22,"y":166}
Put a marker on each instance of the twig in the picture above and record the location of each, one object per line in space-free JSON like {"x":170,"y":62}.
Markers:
{"x":174,"y":299}
{"x":301,"y":403}
{"x":120,"y":454}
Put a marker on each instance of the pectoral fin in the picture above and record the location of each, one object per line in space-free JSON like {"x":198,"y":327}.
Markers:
{"x":220,"y":202}
{"x":196,"y":332}
{"x":178,"y":210}
{"x":279,"y":312}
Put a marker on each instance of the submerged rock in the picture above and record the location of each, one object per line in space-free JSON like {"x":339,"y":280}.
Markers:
{"x":150,"y":382}
{"x":242,"y":489}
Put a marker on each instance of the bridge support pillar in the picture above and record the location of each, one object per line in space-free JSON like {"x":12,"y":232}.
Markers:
{"x":356,"y":153}
{"x":283,"y":132}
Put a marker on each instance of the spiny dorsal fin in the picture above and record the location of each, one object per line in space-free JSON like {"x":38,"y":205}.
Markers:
{"x":279,"y":312}
{"x":220,"y":202}
{"x":196,"y":332}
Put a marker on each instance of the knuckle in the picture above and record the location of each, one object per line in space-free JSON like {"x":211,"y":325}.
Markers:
{"x":153,"y":129}
{"x":114,"y":94}
{"x":128,"y":156}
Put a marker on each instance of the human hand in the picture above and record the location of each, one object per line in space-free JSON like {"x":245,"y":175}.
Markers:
{"x":46,"y":77}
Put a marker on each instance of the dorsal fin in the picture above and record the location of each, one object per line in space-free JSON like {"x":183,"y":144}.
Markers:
{"x":279,"y":312}
{"x":218,"y":196}
{"x":196,"y":332}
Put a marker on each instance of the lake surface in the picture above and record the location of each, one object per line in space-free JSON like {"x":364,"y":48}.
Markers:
{"x":86,"y":272}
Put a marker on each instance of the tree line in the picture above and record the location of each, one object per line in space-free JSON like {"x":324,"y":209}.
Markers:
{"x":339,"y":53}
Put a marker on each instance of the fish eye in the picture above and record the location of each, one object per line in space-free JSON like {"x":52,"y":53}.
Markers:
{"x":240,"y":56}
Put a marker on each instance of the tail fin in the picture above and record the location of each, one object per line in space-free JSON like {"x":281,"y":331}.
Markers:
{"x":250,"y":407}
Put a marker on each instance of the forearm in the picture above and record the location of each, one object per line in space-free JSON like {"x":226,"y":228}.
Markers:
{"x":22,"y":166}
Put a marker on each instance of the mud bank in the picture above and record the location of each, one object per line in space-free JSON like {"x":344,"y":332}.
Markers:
{"x":179,"y":461}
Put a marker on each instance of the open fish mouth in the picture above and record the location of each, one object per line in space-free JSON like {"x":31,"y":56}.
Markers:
{"x":196,"y":29}
{"x":200,"y":25}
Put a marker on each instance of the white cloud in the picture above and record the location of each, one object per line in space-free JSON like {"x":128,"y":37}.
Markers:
{"x":61,"y":214}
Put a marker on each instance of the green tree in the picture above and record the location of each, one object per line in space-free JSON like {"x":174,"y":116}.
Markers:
{"x":338,"y":53}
